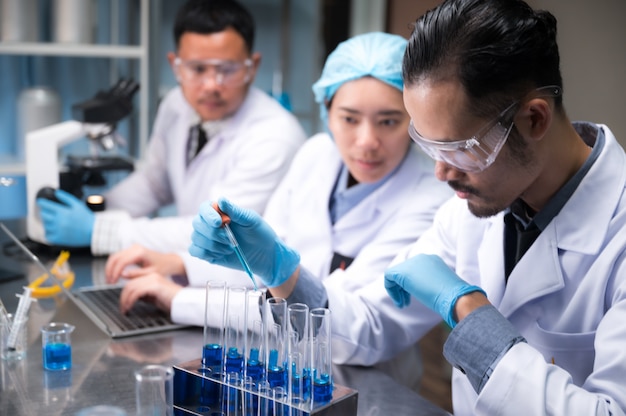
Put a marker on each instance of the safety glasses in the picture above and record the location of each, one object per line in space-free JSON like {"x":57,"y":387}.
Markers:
{"x":480,"y":151}
{"x":226,"y":73}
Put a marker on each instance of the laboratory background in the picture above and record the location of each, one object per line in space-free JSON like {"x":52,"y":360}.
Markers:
{"x":55,"y":54}
{"x":58,"y":53}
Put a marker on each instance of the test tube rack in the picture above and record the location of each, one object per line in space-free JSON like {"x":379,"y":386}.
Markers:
{"x":189,"y":383}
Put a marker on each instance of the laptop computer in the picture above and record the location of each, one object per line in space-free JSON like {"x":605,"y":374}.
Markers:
{"x":101,"y":305}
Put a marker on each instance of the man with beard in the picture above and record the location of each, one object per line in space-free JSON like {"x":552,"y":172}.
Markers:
{"x":214,"y":135}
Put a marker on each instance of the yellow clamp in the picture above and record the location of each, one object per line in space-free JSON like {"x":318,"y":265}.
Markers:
{"x":61,"y":271}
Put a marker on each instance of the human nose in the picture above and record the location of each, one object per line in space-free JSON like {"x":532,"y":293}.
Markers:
{"x":445,"y":172}
{"x":211,"y":79}
{"x":368,"y":136}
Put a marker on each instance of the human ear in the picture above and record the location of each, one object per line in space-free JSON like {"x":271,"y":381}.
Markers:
{"x":256,"y":61}
{"x":171,"y":56}
{"x":535,"y":117}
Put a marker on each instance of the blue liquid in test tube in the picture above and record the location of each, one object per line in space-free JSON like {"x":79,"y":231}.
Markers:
{"x":234,"y":361}
{"x":254,"y":367}
{"x":276,"y":374}
{"x":322,"y":388}
{"x":301,"y":384}
{"x":212,"y":363}
{"x":57,"y":356}
{"x":212,"y":357}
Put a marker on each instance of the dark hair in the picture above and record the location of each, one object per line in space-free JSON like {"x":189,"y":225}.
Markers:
{"x":498,"y":50}
{"x":212,"y":16}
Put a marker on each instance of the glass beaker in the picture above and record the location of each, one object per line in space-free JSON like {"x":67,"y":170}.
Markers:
{"x":154,"y":390}
{"x":57,"y":346}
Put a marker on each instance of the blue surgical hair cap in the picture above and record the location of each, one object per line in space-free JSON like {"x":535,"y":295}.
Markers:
{"x":375,"y":54}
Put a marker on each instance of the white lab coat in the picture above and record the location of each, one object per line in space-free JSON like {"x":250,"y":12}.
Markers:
{"x":372,"y":232}
{"x":566,"y":296}
{"x":244,"y":162}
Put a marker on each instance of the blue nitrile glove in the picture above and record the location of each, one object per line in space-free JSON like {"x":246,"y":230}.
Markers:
{"x":69,"y":223}
{"x":430,"y":281}
{"x":268,"y":257}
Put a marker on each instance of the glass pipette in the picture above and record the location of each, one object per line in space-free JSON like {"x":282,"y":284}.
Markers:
{"x":235,"y":244}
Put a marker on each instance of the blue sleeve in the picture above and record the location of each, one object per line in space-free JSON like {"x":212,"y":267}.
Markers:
{"x":309,"y":290}
{"x":478,"y":342}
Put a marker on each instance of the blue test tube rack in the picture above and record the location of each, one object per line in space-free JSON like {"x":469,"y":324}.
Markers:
{"x":192,"y":384}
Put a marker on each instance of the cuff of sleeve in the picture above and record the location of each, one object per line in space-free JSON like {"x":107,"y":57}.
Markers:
{"x":476,"y":345}
{"x":105,"y":237}
{"x":309,"y":290}
{"x":188,"y":306}
{"x":449,"y":318}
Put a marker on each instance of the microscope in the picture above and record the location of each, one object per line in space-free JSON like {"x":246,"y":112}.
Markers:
{"x":95,"y":119}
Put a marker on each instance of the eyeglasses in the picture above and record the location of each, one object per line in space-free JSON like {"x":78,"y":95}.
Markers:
{"x":226,"y":73}
{"x":480,"y":151}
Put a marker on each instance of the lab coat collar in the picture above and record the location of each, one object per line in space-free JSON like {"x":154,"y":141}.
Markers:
{"x":387,"y":195}
{"x":604,"y":182}
{"x":595,"y":199}
{"x":538,"y":273}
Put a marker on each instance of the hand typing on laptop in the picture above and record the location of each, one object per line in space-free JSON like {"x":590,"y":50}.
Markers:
{"x":120,"y":264}
{"x":149,"y":280}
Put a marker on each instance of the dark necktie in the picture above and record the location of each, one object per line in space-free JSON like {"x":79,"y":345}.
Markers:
{"x":517,"y":240}
{"x":197,"y":140}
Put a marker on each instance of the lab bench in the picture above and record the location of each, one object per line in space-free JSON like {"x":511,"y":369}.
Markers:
{"x":102,"y":367}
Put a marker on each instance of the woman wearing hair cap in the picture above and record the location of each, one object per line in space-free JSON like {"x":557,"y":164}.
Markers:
{"x":353,"y":197}
{"x":351,"y":200}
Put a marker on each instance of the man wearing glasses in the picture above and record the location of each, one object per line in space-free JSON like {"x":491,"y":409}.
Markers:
{"x":215,"y":135}
{"x":527,"y":263}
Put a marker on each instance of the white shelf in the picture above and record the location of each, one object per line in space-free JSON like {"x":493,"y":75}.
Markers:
{"x":68,"y":49}
{"x":140,"y":52}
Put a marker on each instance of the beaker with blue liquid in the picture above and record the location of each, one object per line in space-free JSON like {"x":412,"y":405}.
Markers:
{"x":57,"y":346}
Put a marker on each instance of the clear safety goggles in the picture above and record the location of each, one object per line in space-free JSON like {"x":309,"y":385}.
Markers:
{"x":226,"y":73}
{"x":480,"y":151}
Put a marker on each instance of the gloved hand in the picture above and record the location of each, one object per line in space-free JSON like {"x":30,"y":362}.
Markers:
{"x":69,"y":223}
{"x":431,"y":281}
{"x":268,"y":257}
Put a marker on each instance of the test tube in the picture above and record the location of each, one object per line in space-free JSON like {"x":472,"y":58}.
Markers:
{"x":255,"y":343}
{"x":280,"y":397}
{"x":297,"y":390}
{"x":255,"y":366}
{"x":213,"y":347}
{"x":321,"y":365}
{"x":255,"y":350}
{"x":299,"y":351}
{"x":265,"y":399}
{"x":231,"y":403}
{"x":250,"y":398}
{"x":236,"y":317}
{"x":277,"y":345}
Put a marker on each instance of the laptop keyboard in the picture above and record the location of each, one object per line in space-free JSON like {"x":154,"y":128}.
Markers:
{"x":142,"y":315}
